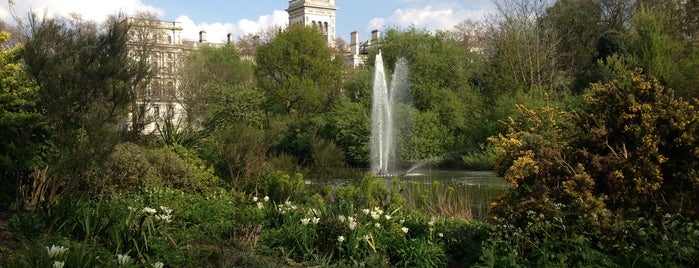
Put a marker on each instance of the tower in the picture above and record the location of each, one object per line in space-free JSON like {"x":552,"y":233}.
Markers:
{"x":319,"y":14}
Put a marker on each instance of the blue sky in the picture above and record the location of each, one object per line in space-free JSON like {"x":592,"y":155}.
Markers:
{"x":219,"y":17}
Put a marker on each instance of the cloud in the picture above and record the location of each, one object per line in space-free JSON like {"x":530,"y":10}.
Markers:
{"x":217,"y":32}
{"x":89,"y":9}
{"x":428,"y":17}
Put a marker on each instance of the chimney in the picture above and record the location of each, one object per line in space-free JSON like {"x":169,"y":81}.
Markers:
{"x":375,"y":35}
{"x":229,"y":36}
{"x":354,"y":43}
{"x":256,"y":40}
{"x":202,"y":36}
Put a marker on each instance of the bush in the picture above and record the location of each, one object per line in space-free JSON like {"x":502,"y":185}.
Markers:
{"x":131,"y":167}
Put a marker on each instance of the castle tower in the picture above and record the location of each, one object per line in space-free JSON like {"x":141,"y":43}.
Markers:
{"x":319,"y":14}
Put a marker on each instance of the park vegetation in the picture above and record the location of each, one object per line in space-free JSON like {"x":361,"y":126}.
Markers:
{"x":587,"y":108}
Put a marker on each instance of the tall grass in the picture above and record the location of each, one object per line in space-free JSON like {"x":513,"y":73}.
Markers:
{"x":449,"y":199}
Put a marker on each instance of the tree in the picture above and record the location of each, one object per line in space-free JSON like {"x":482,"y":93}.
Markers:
{"x":22,"y":139}
{"x":218,"y":89}
{"x":86,"y":82}
{"x":471,"y":33}
{"x":523,"y":51}
{"x":297,"y":72}
{"x":441,"y":77}
{"x":578,"y":25}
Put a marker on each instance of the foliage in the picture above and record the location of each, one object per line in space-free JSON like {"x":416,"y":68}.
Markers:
{"x":218,"y":89}
{"x":23,"y":137}
{"x":639,"y":145}
{"x":86,"y":82}
{"x":348,"y":124}
{"x":581,"y":177}
{"x":297,"y":72}
{"x":131,"y":167}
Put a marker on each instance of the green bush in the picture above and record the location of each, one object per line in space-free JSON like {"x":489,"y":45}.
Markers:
{"x":131,"y":167}
{"x":419,"y":253}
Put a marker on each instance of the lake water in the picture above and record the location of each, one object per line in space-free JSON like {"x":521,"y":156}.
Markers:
{"x":477,"y":188}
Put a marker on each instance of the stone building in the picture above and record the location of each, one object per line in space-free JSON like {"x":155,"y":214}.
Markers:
{"x":320,"y":14}
{"x":161,"y":44}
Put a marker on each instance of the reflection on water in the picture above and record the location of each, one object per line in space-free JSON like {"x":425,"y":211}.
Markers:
{"x":477,"y":188}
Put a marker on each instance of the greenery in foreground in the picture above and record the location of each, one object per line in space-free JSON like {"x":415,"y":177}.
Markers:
{"x":590,"y":107}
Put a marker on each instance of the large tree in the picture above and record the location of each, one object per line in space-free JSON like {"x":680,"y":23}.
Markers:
{"x":86,"y":82}
{"x":218,"y":88}
{"x":298,"y":72}
{"x":448,"y":115}
{"x":22,"y":140}
{"x":522,"y":48}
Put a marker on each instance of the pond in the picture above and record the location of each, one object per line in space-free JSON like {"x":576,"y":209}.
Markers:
{"x":470,"y":190}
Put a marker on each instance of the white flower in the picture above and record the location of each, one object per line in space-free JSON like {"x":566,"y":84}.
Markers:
{"x":158,"y":265}
{"x":431,"y":223}
{"x":305,"y":221}
{"x":366,"y":237}
{"x":165,"y":209}
{"x":149,"y":210}
{"x":55,"y":251}
{"x":340,"y":239}
{"x":341,"y":218}
{"x":388,"y":217}
{"x":401,"y":221}
{"x":440,"y":234}
{"x":260,"y":205}
{"x":404,"y":229}
{"x":378,"y":210}
{"x":375,"y":215}
{"x":254,"y":199}
{"x":377,"y":225}
{"x":365,"y":211}
{"x":352,"y":225}
{"x":123,"y":259}
{"x":58,"y":264}
{"x":163,"y":217}
{"x":266,"y":198}
{"x":315,"y":220}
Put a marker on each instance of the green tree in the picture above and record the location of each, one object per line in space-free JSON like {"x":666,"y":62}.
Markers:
{"x":86,"y":83}
{"x":578,"y":24}
{"x":218,"y":89}
{"x":22,"y":139}
{"x":522,"y":49}
{"x":450,"y":100}
{"x":298,"y":72}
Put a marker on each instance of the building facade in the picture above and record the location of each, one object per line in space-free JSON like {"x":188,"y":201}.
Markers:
{"x":160,"y":43}
{"x":319,"y":14}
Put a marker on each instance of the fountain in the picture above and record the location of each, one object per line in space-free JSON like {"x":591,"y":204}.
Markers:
{"x":385,"y":101}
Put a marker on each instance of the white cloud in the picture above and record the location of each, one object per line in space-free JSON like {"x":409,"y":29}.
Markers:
{"x":216,"y":32}
{"x":427,"y":17}
{"x":89,"y":9}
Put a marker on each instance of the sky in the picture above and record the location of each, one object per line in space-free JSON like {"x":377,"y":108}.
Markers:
{"x":241,"y":17}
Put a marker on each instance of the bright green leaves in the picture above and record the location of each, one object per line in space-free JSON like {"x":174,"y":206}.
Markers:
{"x":298,"y":72}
